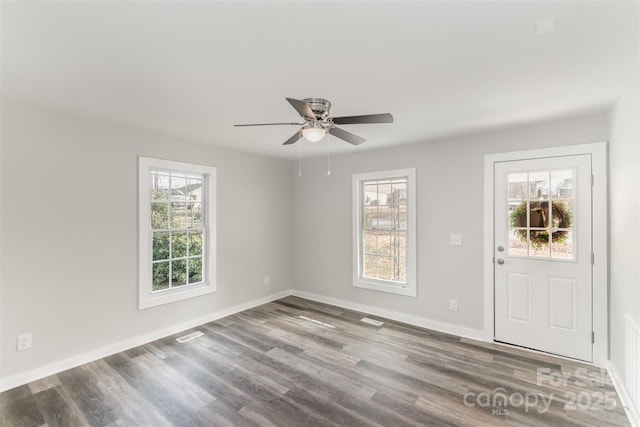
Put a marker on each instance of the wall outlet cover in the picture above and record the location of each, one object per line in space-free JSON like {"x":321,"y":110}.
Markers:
{"x":24,"y":341}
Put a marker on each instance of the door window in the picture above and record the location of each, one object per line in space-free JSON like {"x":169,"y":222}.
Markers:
{"x":540,"y":214}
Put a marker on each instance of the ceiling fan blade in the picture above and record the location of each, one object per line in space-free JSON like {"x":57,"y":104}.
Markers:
{"x":368,"y":118}
{"x":268,"y":124}
{"x":302,"y":108}
{"x":294,"y":138}
{"x":347,"y":136}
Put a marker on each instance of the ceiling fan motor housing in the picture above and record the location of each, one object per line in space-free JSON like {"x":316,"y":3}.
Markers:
{"x":319,"y":106}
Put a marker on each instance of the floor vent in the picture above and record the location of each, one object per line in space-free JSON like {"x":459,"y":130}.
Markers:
{"x":316,"y":321}
{"x":632,"y":355}
{"x":189,"y":337}
{"x":371,"y":321}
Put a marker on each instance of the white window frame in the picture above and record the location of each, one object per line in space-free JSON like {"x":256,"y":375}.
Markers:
{"x":409,"y":288}
{"x":147,"y":298}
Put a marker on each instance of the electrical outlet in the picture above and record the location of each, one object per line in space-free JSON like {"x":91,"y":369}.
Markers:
{"x":453,"y":304}
{"x":267,"y":280}
{"x":24,"y":341}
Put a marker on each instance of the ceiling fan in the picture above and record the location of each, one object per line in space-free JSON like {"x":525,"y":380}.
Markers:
{"x":315,"y":112}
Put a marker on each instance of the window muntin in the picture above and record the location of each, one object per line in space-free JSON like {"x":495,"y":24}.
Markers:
{"x":177,"y":206}
{"x":541,"y":214}
{"x":177,"y":229}
{"x":384,"y":231}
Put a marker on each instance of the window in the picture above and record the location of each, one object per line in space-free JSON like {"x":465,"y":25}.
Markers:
{"x":384,"y":231}
{"x":541,"y":208}
{"x":177,"y":231}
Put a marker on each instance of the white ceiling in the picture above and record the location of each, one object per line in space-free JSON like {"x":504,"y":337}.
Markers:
{"x":192,"y":69}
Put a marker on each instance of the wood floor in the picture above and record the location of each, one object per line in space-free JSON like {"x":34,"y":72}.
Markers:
{"x":295,"y":362}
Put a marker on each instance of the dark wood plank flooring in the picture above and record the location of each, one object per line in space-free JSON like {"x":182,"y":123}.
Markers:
{"x":295,"y":362}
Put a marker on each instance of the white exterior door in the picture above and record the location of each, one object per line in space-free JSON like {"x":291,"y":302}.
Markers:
{"x":543,"y":254}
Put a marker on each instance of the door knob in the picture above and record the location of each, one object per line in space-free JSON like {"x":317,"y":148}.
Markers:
{"x":500,"y":248}
{"x":500,"y":261}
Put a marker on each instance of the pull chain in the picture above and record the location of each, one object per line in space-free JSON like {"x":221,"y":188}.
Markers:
{"x":299,"y":158}
{"x":328,"y":156}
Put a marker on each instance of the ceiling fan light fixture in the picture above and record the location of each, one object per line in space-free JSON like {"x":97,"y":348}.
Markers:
{"x":317,"y":122}
{"x":314,"y":134}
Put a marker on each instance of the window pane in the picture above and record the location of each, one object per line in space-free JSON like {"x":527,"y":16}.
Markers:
{"x":194,"y":213}
{"x":369,"y":242}
{"x":394,"y":197}
{"x":159,"y":216}
{"x":396,"y":244}
{"x":371,"y":195}
{"x":384,"y":268}
{"x":402,"y":217}
{"x":178,"y":244}
{"x":195,"y":270}
{"x":562,"y":247}
{"x":370,"y":220}
{"x":536,"y":248}
{"x":518,"y":242}
{"x":400,"y":244}
{"x":194,"y":190}
{"x":400,"y":191}
{"x":562,"y":184}
{"x":538,"y":214}
{"x":517,"y":214}
{"x":370,"y":266}
{"x":517,"y":184}
{"x":159,"y":186}
{"x":396,"y":269}
{"x":539,"y":185}
{"x":160,"y":276}
{"x":403,"y":270}
{"x":179,"y":272}
{"x":195,"y":243}
{"x":562,"y":214}
{"x":178,"y":187}
{"x":160,"y":245}
{"x":384,"y":244}
{"x":179,"y":215}
{"x":385,"y":218}
{"x":384,"y":192}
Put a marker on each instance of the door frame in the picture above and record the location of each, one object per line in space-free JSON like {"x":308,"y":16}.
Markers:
{"x":600,"y":267}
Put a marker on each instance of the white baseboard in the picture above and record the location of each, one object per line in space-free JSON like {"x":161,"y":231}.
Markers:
{"x":629,"y":407}
{"x":422,"y":322}
{"x":72,"y":362}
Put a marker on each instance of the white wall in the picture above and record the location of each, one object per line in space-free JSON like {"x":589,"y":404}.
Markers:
{"x":624,"y":214}
{"x":69,"y":242}
{"x":450,"y":200}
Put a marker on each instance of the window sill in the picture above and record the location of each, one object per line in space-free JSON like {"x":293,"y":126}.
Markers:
{"x":408,"y":290}
{"x":149,"y":300}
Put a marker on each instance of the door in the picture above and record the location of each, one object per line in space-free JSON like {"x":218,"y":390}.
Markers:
{"x":543,"y":254}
